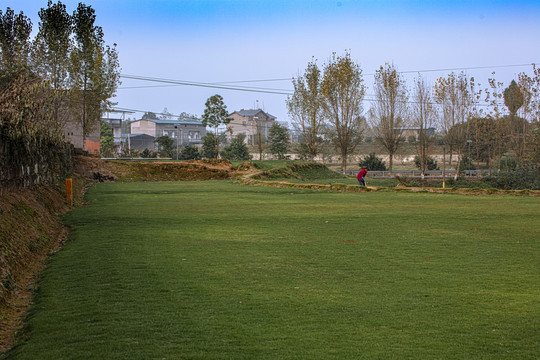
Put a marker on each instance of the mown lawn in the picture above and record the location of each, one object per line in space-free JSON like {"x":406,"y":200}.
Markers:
{"x":214,"y":270}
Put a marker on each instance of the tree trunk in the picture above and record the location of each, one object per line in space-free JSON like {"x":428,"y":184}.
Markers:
{"x":458,"y":164}
{"x":344,"y":161}
{"x":216,"y":155}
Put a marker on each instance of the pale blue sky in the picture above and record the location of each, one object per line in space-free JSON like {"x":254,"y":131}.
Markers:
{"x":233,"y":40}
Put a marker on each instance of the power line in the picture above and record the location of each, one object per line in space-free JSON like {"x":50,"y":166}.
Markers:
{"x":462,"y":68}
{"x":206,"y":85}
{"x":222,"y":85}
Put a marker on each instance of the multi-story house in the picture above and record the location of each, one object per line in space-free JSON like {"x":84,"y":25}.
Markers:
{"x":184,"y":132}
{"x":251,"y":123}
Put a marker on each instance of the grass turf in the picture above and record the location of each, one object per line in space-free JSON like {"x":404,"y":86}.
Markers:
{"x":212,"y":270}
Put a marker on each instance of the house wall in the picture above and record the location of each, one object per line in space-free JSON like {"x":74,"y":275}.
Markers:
{"x":189,"y":133}
{"x":143,"y":127}
{"x":248,"y":126}
{"x":239,"y":125}
{"x":73,"y":133}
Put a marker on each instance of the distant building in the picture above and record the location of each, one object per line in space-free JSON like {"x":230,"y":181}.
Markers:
{"x":73,"y":133}
{"x":250,"y":123}
{"x":140,"y":142}
{"x":407,"y":133}
{"x":184,"y":132}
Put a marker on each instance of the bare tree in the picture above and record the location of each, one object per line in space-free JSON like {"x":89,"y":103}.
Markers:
{"x":305,"y":107}
{"x":388,"y":114}
{"x":455,"y":95}
{"x":343,"y":91}
{"x":424,"y":117}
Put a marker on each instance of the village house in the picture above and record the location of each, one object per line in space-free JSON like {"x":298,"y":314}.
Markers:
{"x":251,"y":123}
{"x":73,"y":133}
{"x":409,"y":133}
{"x":184,"y":132}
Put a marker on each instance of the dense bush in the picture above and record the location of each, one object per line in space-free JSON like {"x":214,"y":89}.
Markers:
{"x":431,"y":163}
{"x":237,"y":150}
{"x":466,"y":164}
{"x":148,"y":154}
{"x":189,"y":152}
{"x":209,"y":146}
{"x":166,"y":146}
{"x":278,"y":136}
{"x":373,"y":163}
{"x":508,"y":164}
{"x":524,"y":177}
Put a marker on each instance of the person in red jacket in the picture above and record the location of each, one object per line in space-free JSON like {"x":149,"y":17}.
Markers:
{"x":361,"y":177}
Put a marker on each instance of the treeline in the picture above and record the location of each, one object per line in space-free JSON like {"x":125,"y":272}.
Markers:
{"x":65,"y":74}
{"x":486,"y":124}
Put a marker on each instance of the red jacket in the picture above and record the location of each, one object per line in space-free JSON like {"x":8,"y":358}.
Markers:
{"x":361,"y":174}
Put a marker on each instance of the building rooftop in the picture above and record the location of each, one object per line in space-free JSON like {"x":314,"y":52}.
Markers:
{"x":174,"y":122}
{"x":253,"y":112}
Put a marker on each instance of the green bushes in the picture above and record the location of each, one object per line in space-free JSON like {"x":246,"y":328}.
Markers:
{"x":524,"y":177}
{"x":189,"y":152}
{"x":431,"y":163}
{"x":373,"y":163}
{"x":237,"y":150}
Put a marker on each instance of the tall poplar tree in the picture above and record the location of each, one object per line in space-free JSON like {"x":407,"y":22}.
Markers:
{"x":305,"y":107}
{"x":53,"y":45}
{"x":455,"y":95}
{"x":94,"y":70}
{"x":423,"y":117}
{"x":343,"y":92}
{"x":15,"y":42}
{"x":514,"y":100}
{"x":389,"y":112}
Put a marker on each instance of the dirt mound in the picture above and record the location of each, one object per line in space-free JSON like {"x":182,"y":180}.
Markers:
{"x":129,"y":171}
{"x":173,"y":171}
{"x":87,"y":166}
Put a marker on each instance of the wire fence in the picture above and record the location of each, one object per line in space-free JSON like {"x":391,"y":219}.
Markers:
{"x":418,"y":173}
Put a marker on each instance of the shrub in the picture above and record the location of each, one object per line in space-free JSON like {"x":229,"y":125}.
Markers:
{"x":431,"y":163}
{"x":508,"y":164}
{"x":148,"y":154}
{"x":373,"y":163}
{"x":189,"y":152}
{"x":237,"y":150}
{"x":466,"y":164}
{"x":209,"y":146}
{"x":166,"y":146}
{"x":525,"y":177}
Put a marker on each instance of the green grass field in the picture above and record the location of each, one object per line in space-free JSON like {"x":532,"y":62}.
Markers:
{"x":214,"y":270}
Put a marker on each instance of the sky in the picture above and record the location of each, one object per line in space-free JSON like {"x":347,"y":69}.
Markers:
{"x":234,"y":42}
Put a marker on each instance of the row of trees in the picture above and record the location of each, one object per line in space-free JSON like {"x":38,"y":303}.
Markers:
{"x":65,"y":73}
{"x":327,"y":104}
{"x":69,"y":53}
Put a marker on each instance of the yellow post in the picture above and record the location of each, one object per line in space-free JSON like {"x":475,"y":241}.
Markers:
{"x":69,"y":192}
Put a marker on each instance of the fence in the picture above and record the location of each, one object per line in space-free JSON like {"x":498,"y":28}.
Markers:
{"x":417,"y":173}
{"x":44,"y":164}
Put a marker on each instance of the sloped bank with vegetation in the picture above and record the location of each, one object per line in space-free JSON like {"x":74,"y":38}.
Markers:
{"x":315,"y":174}
{"x":30,"y":231}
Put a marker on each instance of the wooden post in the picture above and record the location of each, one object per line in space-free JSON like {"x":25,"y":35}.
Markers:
{"x":69,"y":192}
